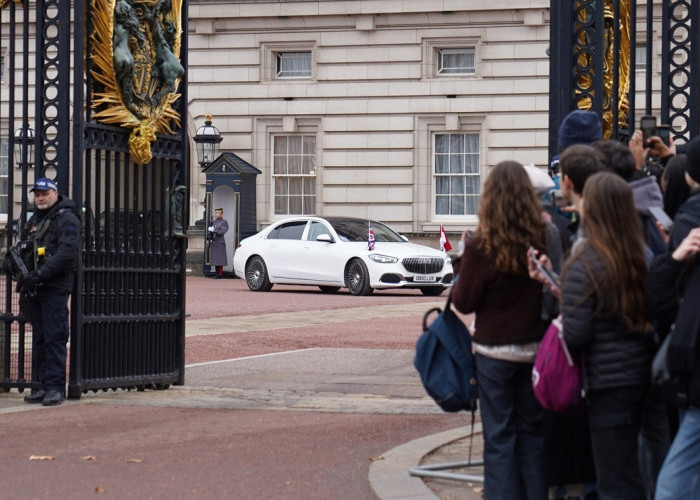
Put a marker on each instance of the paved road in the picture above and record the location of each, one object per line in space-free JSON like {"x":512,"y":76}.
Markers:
{"x":289,"y":394}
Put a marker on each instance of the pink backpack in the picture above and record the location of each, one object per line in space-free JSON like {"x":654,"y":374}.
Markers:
{"x":556,"y":376}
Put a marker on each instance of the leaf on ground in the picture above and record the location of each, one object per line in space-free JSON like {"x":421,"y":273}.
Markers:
{"x":134,"y":460}
{"x":89,"y":457}
{"x":41,"y":457}
{"x":374,"y":459}
{"x":99,"y":489}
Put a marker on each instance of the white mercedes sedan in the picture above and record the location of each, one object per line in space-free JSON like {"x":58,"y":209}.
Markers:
{"x":335,"y":252}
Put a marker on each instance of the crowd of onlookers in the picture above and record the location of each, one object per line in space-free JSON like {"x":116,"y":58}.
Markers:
{"x":628,"y":295}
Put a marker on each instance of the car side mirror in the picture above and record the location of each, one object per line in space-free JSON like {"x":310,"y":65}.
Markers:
{"x":403,"y":237}
{"x":325,"y":238}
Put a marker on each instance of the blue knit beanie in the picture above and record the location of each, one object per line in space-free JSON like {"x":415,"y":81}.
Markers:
{"x":579,"y":127}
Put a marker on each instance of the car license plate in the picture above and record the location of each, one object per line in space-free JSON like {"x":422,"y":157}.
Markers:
{"x":426,"y":279}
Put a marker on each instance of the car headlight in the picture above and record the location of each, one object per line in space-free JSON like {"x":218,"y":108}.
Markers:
{"x":448,"y":260}
{"x":382,"y":259}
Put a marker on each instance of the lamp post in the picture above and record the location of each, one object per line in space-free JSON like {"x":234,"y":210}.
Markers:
{"x":24,"y":146}
{"x":208,"y":139}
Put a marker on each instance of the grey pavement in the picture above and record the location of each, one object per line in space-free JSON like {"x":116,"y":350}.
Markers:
{"x":330,"y":376}
{"x":331,"y":380}
{"x":257,"y":322}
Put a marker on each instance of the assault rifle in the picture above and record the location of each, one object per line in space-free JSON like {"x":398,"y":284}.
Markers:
{"x":18,"y":266}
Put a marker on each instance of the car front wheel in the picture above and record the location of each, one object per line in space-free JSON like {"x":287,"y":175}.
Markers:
{"x":256,"y":275}
{"x":357,"y":278}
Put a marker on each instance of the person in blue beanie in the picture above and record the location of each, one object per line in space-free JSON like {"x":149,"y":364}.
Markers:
{"x":577,"y":127}
{"x":568,"y":446}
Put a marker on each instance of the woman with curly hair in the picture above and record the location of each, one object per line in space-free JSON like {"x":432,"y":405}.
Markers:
{"x":494,"y":283}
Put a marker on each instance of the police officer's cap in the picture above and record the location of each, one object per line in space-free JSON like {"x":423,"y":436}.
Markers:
{"x":44,"y":184}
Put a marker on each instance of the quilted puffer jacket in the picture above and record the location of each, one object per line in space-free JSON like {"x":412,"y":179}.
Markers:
{"x":614,"y":356}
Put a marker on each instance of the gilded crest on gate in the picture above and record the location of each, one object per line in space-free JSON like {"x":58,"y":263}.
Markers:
{"x":5,"y":3}
{"x":135,"y":53}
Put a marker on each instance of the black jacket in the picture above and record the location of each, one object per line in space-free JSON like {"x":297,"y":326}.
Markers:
{"x":614,"y":356}
{"x":60,"y":241}
{"x":667,"y":283}
{"x":687,"y":217}
{"x":666,"y":280}
{"x":684,"y":348}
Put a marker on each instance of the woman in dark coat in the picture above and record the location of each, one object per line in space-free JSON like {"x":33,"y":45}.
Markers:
{"x":604,"y":319}
{"x":217,"y":230}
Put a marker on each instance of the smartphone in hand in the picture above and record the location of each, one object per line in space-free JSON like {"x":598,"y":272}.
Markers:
{"x":658,"y":214}
{"x":648,"y":126}
{"x":664,"y":133}
{"x":548,"y":275}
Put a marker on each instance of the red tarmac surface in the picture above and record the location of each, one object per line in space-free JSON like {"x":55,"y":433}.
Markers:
{"x":134,"y":449}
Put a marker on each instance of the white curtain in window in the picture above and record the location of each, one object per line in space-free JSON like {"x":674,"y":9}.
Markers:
{"x":294,"y":173}
{"x":457,"y":177}
{"x":293,"y":64}
{"x":456,"y":61}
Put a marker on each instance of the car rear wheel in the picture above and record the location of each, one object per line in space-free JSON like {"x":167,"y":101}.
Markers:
{"x":256,"y":275}
{"x":357,"y":278}
{"x":432,"y":291}
{"x":329,"y":289}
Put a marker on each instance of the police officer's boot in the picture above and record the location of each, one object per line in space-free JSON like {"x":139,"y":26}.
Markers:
{"x":35,"y":397}
{"x":53,"y":398}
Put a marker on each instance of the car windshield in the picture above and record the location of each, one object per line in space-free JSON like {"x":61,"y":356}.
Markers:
{"x":358,"y":230}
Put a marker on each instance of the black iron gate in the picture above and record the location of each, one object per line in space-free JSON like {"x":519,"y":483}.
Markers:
{"x":594,"y":64}
{"x":119,"y":151}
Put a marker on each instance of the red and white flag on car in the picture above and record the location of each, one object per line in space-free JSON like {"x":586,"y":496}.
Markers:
{"x":370,"y":238}
{"x":444,"y":242}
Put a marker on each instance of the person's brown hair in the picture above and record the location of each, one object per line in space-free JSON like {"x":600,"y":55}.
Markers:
{"x":611,"y":227}
{"x":579,"y":162}
{"x":510,"y":217}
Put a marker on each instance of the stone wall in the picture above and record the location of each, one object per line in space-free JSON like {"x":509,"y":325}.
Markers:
{"x":373,"y":100}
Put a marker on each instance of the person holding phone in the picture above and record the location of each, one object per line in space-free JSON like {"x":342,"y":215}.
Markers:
{"x":646,"y":192}
{"x":680,"y":474}
{"x":651,"y":153}
{"x":494,"y":283}
{"x":603,"y":317}
{"x":673,"y":276}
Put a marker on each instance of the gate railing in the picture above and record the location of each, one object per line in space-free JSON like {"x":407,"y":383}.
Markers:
{"x":127,"y":307}
{"x":34,"y":124}
{"x":593,"y":64}
{"x":130,"y":330}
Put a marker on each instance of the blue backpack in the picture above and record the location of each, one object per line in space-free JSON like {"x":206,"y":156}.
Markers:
{"x":445,"y":361}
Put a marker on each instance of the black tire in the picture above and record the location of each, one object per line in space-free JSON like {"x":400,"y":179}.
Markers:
{"x":432,"y":291}
{"x":329,"y":289}
{"x":357,"y":278}
{"x":256,"y":275}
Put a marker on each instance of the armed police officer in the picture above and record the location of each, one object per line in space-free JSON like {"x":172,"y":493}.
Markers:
{"x":54,"y":233}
